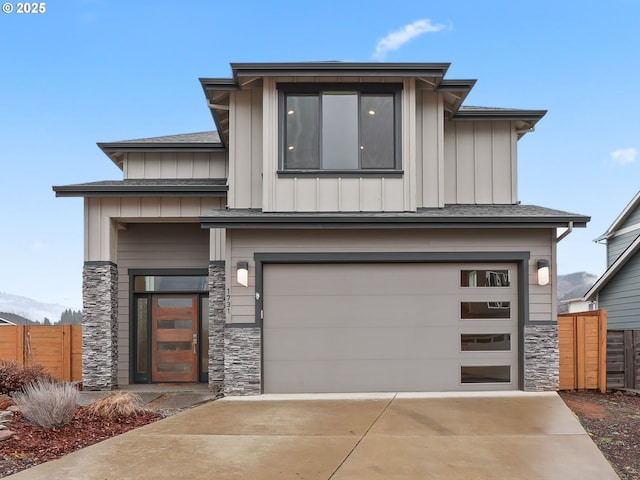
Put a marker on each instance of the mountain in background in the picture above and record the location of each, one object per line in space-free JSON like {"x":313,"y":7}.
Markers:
{"x":571,"y":286}
{"x":31,"y":309}
{"x":574,"y":285}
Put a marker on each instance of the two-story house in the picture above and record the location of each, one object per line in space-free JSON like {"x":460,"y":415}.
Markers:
{"x":349,"y":227}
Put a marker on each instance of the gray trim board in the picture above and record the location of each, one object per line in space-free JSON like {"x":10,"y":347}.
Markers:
{"x":97,"y":263}
{"x":169,"y":271}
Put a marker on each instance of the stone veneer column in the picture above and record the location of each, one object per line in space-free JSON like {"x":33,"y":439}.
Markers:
{"x":541,"y":358}
{"x":216,"y":326}
{"x":100,"y":326}
{"x":242,"y":361}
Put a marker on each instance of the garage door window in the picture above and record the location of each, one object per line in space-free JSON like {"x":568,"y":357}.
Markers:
{"x":485,"y":342}
{"x":485,"y":374}
{"x":485,"y":278}
{"x":470,"y":310}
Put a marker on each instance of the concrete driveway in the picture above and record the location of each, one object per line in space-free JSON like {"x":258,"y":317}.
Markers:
{"x":493,"y":436}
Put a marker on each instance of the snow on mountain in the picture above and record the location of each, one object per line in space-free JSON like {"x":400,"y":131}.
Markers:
{"x":30,"y":308}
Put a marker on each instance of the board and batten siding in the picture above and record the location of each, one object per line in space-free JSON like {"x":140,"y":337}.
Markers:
{"x":153,"y":246}
{"x":102,"y":216}
{"x":620,"y":297}
{"x":245,"y":149}
{"x":244,"y":244}
{"x":480,"y":162}
{"x":430,"y":149}
{"x":308,"y":193}
{"x":172,"y":165}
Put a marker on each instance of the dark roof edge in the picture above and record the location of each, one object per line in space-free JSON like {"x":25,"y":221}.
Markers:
{"x":140,"y":191}
{"x":114,"y":147}
{"x":401,"y":221}
{"x":613,"y":269}
{"x":340,"y":68}
{"x":479,"y":113}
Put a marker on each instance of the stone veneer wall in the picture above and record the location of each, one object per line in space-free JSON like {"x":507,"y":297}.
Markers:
{"x":242,"y":361}
{"x":100,"y":326}
{"x":541,"y":358}
{"x":216,"y":326}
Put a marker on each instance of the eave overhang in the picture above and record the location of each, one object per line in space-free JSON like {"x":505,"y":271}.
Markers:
{"x":454,"y":216}
{"x":146,"y":188}
{"x":525,"y":120}
{"x":613,"y":269}
{"x":619,"y":221}
{"x":206,"y":142}
{"x":217,"y":90}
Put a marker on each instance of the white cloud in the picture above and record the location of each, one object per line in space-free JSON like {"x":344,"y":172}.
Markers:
{"x":37,"y":246}
{"x":624,"y":156}
{"x":396,"y":39}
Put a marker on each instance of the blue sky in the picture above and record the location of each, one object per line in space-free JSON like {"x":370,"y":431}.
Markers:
{"x":88,"y":71}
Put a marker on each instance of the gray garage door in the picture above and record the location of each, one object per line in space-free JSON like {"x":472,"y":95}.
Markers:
{"x":389,"y":327}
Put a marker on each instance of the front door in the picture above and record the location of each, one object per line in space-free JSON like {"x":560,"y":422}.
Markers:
{"x":174,"y":338}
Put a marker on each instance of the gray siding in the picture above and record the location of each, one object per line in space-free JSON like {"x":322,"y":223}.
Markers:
{"x":245,"y":149}
{"x":245,"y":243}
{"x":632,"y":220}
{"x":621,"y":297}
{"x":175,"y":165}
{"x":617,"y":245}
{"x":479,"y":163}
{"x":147,"y":246}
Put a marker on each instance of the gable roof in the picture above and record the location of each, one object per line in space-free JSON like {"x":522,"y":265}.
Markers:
{"x":624,"y":257}
{"x":618,"y":222}
{"x":614,"y":268}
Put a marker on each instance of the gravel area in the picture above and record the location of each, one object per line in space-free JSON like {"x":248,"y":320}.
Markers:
{"x":613,"y":421}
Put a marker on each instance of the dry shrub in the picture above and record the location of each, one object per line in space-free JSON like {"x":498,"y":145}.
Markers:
{"x":117,"y":404}
{"x":5,"y":402}
{"x":47,"y":404}
{"x":14,"y":377}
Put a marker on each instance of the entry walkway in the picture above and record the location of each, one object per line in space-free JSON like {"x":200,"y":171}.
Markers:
{"x":496,"y":436}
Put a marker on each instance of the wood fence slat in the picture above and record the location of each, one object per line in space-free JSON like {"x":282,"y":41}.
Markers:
{"x":582,"y":341}
{"x":57,"y":348}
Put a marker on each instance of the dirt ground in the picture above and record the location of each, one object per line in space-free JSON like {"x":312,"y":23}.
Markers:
{"x":613,"y":421}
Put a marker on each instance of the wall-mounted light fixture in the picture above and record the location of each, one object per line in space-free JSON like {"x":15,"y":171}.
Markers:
{"x":242,"y":274}
{"x":543,"y":272}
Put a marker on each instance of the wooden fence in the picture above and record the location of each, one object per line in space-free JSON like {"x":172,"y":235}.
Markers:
{"x":623,"y":359}
{"x":583,"y":350}
{"x":58,"y":348}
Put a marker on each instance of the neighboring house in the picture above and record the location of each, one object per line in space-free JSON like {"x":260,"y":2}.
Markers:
{"x":618,"y":289}
{"x":576,"y":305}
{"x":349,"y":227}
{"x":15,"y":319}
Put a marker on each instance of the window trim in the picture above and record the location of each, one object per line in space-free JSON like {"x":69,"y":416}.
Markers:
{"x":285,"y":89}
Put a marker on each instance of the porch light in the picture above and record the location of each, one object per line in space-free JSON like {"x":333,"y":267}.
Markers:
{"x":242,"y":274}
{"x":543,"y":272}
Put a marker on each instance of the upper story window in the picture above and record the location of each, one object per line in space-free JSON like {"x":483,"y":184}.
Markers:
{"x":339,"y":128}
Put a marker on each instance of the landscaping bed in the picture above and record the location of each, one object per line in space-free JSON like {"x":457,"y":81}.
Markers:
{"x":613,"y":421}
{"x":32,"y":445}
